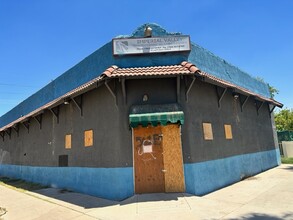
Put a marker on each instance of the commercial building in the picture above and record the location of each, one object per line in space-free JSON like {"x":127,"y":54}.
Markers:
{"x":149,"y":112}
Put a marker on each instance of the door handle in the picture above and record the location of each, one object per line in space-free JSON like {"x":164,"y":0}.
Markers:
{"x":164,"y":171}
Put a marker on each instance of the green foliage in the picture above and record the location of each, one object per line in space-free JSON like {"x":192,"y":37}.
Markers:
{"x":287,"y":160}
{"x":273,"y":91}
{"x":284,"y":120}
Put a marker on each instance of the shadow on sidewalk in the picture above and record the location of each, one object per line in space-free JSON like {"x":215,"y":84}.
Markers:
{"x":21,"y":184}
{"x":89,"y":202}
{"x":84,"y":200}
{"x":258,"y":216}
{"x":290,"y":168}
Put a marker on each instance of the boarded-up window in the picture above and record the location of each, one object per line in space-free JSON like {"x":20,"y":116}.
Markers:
{"x":228,"y":131}
{"x":88,"y":138}
{"x":68,"y":141}
{"x":63,"y":161}
{"x":207,"y":131}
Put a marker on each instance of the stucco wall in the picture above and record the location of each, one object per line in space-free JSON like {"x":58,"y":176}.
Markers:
{"x":252,"y":132}
{"x":112,"y":135}
{"x":204,"y":177}
{"x":102,"y":182}
{"x":287,"y":148}
{"x":34,"y":155}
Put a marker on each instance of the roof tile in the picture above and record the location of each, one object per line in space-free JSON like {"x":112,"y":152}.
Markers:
{"x":147,"y":71}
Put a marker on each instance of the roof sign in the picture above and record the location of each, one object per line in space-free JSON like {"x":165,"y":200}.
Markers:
{"x":171,"y":43}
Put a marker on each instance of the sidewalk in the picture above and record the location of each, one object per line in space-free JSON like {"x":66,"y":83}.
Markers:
{"x":266,"y":196}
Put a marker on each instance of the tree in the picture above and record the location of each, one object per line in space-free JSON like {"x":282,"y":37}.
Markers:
{"x":284,"y":120}
{"x":273,"y":91}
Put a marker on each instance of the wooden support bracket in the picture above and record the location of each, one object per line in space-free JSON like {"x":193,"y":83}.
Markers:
{"x":178,"y":88}
{"x":78,"y":102}
{"x":112,"y":92}
{"x":2,"y":134}
{"x":189,"y":88}
{"x":99,"y":83}
{"x":220,"y":94}
{"x":26,"y":124}
{"x":124,"y":90}
{"x":258,"y":106}
{"x":39,"y":119}
{"x":55,"y":112}
{"x":271,"y":110}
{"x":16,"y":129}
{"x":243,"y":102}
{"x":8,"y":131}
{"x":262,"y":103}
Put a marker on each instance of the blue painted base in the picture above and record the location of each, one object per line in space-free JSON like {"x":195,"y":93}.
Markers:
{"x":118,"y":184}
{"x":205,"y":177}
{"x":108,"y":183}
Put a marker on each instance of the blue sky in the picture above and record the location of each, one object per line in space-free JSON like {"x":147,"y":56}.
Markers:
{"x":39,"y":40}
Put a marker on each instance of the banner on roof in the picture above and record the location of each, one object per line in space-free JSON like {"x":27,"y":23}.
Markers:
{"x":171,"y":43}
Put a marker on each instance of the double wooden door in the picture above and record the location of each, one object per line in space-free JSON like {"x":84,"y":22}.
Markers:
{"x":158,"y":164}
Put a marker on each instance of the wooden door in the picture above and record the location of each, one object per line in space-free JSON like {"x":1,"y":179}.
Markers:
{"x":148,"y":160}
{"x":173,"y":160}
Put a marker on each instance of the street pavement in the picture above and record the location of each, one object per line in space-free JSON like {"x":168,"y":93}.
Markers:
{"x":268,"y":195}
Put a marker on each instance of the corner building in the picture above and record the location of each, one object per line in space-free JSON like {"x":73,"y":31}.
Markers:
{"x":150,"y":112}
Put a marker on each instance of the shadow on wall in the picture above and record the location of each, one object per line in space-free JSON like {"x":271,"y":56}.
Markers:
{"x":259,"y":216}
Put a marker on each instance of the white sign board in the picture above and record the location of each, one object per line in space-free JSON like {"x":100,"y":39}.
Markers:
{"x":172,"y":43}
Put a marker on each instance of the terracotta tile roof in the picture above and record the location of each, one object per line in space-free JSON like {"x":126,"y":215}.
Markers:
{"x":190,"y":66}
{"x":185,"y":68}
{"x":114,"y":71}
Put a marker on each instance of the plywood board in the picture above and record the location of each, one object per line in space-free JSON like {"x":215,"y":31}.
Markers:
{"x":207,"y":131}
{"x":68,"y":141}
{"x":148,"y":166}
{"x":228,"y":131}
{"x":88,"y":138}
{"x":173,"y":161}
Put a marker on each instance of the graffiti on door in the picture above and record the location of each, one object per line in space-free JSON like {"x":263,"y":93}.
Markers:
{"x":148,"y":145}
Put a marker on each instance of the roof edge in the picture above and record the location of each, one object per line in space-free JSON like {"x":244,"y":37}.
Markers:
{"x":106,"y":74}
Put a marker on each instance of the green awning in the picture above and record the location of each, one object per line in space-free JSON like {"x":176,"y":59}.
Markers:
{"x":155,"y":114}
{"x":156,"y":118}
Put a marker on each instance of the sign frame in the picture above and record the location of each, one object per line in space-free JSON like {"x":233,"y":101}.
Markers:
{"x":151,"y":45}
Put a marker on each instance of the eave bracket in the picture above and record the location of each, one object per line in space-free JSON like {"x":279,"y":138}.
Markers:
{"x":78,"y":102}
{"x":39,"y":119}
{"x":111,"y":92}
{"x":189,"y":88}
{"x":55,"y":112}
{"x":243,"y":102}
{"x":258,"y":106}
{"x":26,"y":124}
{"x":220,"y":94}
